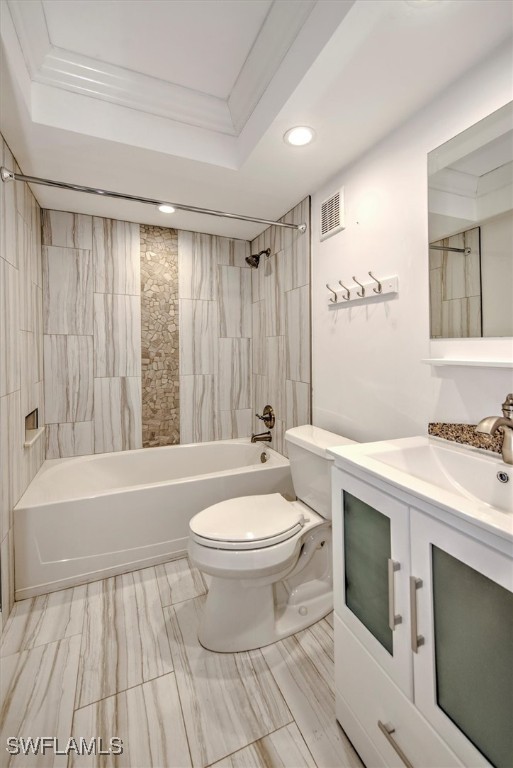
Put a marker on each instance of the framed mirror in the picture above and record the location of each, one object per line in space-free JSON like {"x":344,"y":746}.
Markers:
{"x":470,"y":204}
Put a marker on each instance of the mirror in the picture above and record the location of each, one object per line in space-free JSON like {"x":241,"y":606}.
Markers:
{"x":470,"y":204}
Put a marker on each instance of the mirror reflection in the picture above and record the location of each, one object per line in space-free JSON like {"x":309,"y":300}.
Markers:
{"x":470,"y":200}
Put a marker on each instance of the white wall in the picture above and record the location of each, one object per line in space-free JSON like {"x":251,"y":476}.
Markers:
{"x":368,"y":379}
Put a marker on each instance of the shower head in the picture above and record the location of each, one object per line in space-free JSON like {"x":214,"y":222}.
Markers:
{"x":254,"y":259}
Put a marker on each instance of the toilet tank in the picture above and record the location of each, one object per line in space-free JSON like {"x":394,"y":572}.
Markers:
{"x":310,"y":465}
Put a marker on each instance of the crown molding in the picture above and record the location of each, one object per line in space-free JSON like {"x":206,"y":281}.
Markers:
{"x":60,"y":68}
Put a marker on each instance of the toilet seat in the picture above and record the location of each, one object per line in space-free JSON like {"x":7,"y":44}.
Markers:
{"x":247,"y":522}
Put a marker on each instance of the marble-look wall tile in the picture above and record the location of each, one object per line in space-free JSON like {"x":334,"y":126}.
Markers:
{"x":197,"y":408}
{"x":298,"y":334}
{"x":30,"y":391}
{"x":26,"y":307}
{"x":43,"y":707}
{"x":198,"y":336}
{"x":69,"y":439}
{"x":234,"y":302}
{"x":68,"y":385}
{"x":147,"y":718}
{"x":9,"y":355}
{"x":116,"y":257}
{"x":258,"y":338}
{"x":68,"y":291}
{"x":275,"y":353}
{"x":275,"y":321}
{"x":117,"y":414}
{"x":261,"y":397}
{"x":232,"y":253}
{"x":37,"y":294}
{"x":8,"y":245}
{"x":297,"y":398}
{"x":197,"y":266}
{"x":234,"y":383}
{"x":117,"y":335}
{"x":68,"y":230}
{"x":10,"y":458}
{"x":232,"y":424}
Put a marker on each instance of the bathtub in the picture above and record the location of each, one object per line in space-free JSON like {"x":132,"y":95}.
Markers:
{"x":86,"y":518}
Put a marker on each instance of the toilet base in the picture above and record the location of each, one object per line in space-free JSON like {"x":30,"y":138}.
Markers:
{"x":237,"y":617}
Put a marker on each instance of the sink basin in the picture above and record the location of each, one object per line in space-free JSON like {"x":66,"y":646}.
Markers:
{"x":459,"y":478}
{"x":455,"y":469}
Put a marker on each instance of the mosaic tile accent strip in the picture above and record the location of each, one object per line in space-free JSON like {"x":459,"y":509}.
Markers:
{"x":160,"y":337}
{"x":467,"y":435}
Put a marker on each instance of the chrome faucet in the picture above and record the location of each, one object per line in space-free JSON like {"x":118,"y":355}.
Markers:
{"x":491,"y":424}
{"x":263,"y":437}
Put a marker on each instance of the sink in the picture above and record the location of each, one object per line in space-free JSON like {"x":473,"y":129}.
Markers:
{"x":455,"y":469}
{"x":472,"y":483}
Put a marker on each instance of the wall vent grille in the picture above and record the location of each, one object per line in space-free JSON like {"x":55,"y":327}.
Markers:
{"x":332,"y":215}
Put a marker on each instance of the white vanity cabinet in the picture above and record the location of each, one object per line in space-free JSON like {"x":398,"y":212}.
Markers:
{"x":423,"y":630}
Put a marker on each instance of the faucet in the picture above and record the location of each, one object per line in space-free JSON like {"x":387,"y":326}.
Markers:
{"x":263,"y":437}
{"x":491,"y":424}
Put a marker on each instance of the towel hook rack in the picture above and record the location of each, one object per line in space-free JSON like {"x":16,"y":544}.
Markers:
{"x":358,"y":293}
{"x":334,"y":299}
{"x":380,"y":287}
{"x":348,"y":295}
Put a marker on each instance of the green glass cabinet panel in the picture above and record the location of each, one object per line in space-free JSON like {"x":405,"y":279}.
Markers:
{"x":473,"y":629}
{"x":366,"y":552}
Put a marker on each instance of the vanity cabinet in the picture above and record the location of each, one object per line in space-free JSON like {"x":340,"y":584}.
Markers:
{"x":423,"y":631}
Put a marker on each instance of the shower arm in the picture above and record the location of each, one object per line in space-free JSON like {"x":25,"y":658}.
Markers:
{"x":7,"y":175}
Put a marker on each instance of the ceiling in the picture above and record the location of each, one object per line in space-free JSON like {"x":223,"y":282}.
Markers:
{"x":188,"y":101}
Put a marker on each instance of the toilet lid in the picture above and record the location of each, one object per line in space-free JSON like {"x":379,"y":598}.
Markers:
{"x":247,"y":522}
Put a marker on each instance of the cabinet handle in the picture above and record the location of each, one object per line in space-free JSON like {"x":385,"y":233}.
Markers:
{"x":393,"y":618}
{"x":387,"y":731}
{"x":416,"y":640}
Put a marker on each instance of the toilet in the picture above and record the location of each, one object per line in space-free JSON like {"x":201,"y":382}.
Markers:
{"x":269,"y":560}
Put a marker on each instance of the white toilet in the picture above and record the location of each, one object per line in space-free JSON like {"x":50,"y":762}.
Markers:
{"x":269,"y":559}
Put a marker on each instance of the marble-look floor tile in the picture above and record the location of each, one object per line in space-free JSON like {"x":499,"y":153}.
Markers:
{"x":117,"y":414}
{"x":197,"y":408}
{"x":148,"y":720}
{"x":285,"y":748}
{"x":228,"y":700}
{"x":68,"y":230}
{"x":306,"y":681}
{"x":197,"y":266}
{"x":198,"y":336}
{"x":124,"y":642}
{"x":9,"y":323}
{"x":234,"y":386}
{"x":329,"y":619}
{"x":179,"y":581}
{"x":234,"y":302}
{"x":117,"y":335}
{"x":116,"y":256}
{"x":71,"y":439}
{"x":68,"y":291}
{"x":37,"y":691}
{"x":43,"y":619}
{"x":68,"y":383}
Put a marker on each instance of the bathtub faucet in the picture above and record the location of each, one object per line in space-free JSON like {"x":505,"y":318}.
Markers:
{"x":263,"y":437}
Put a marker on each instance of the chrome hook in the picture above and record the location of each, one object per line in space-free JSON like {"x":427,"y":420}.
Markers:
{"x":380,"y":287}
{"x":362,"y":294}
{"x":333,"y":292}
{"x":345,"y":289}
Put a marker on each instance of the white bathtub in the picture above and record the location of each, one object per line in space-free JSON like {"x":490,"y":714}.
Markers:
{"x":86,"y":518}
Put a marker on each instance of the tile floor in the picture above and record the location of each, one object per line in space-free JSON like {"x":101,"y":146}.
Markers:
{"x":120,"y":657}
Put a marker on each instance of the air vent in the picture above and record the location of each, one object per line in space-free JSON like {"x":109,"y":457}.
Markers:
{"x":332,"y":215}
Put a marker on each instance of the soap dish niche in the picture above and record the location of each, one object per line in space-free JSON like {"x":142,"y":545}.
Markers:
{"x":32,"y":429}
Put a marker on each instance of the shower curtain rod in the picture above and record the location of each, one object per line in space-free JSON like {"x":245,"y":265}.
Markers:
{"x":449,"y":248}
{"x":11,"y":176}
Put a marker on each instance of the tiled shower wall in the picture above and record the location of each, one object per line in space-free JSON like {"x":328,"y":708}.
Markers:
{"x":92,"y":334}
{"x":21,"y":363}
{"x":281,"y":325}
{"x":215,"y":337}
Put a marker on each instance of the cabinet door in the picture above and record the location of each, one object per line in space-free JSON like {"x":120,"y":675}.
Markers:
{"x":463,"y":671}
{"x":371,"y":570}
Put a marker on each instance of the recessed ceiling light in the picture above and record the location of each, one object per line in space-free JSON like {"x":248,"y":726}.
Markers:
{"x":299,"y":136}
{"x":166,"y":209}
